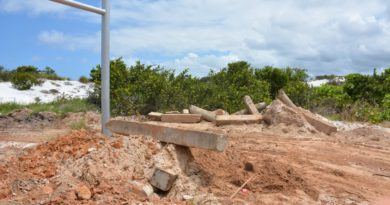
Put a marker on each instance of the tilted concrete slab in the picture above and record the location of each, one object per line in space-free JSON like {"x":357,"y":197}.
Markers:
{"x":237,"y":119}
{"x":181,"y":118}
{"x":179,"y":136}
{"x":250,"y":105}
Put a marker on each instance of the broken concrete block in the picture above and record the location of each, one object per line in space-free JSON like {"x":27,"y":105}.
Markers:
{"x":220,"y":112}
{"x":179,"y":136}
{"x":163,"y":179}
{"x":181,"y":118}
{"x":142,"y":190}
{"x":317,"y":123}
{"x":250,"y":106}
{"x":259,"y":106}
{"x":237,"y":119}
{"x":172,"y":112}
{"x":83,"y":192}
{"x":207,"y":115}
{"x":282,"y":96}
{"x":186,"y":111}
{"x":155,"y":116}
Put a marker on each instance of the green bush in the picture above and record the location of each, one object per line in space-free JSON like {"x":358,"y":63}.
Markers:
{"x":27,"y":69}
{"x":83,"y":79}
{"x":24,"y":81}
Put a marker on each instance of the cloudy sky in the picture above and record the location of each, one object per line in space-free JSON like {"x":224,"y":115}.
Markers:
{"x":321,"y":36}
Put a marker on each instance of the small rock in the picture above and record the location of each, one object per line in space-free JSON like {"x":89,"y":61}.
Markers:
{"x":91,"y":149}
{"x":186,"y":111}
{"x":83,"y":192}
{"x":187,"y":197}
{"x":47,"y":190}
{"x":143,"y":190}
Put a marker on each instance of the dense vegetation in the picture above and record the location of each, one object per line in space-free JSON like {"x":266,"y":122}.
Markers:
{"x":24,"y":77}
{"x":139,"y":89}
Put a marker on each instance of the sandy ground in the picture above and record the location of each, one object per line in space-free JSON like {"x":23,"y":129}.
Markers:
{"x":285,"y":165}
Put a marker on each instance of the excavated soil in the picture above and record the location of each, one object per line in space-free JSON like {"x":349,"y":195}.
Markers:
{"x":285,"y":163}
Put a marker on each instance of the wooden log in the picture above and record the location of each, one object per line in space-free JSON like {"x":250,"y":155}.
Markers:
{"x":179,"y":136}
{"x":250,"y":106}
{"x":206,"y":115}
{"x":282,"y":96}
{"x":181,"y":118}
{"x":237,"y":119}
{"x":259,"y":106}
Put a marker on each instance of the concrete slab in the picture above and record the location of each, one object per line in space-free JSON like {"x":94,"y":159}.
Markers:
{"x":181,"y":118}
{"x":317,"y":123}
{"x":237,"y":119}
{"x":179,"y":136}
{"x":250,"y":105}
{"x":155,"y":116}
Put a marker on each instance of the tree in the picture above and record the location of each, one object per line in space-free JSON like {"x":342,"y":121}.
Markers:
{"x":50,"y":71}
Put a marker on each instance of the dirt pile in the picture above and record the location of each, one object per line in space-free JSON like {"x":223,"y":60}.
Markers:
{"x":26,"y":116}
{"x":85,"y":166}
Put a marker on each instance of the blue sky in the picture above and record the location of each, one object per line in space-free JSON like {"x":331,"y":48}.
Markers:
{"x":323,"y":37}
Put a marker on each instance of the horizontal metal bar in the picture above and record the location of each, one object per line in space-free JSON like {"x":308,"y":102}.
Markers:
{"x":81,"y":6}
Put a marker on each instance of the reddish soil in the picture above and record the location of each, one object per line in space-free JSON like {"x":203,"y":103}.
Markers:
{"x":286,"y":165}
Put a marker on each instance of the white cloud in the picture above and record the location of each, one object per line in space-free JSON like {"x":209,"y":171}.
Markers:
{"x":201,"y":65}
{"x":70,"y":42}
{"x":30,"y":6}
{"x":323,"y":36}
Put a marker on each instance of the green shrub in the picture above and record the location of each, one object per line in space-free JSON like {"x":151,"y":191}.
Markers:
{"x":83,"y":79}
{"x":24,"y":81}
{"x":27,"y":69}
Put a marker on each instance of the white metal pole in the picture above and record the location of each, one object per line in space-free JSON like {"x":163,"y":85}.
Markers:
{"x":105,"y":71}
{"x":105,"y":56}
{"x":81,"y":6}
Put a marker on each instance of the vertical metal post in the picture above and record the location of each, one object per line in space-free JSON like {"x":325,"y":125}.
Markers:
{"x":105,"y":75}
{"x":105,"y":58}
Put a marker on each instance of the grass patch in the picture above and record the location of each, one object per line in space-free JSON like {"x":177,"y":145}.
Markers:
{"x":78,"y":125}
{"x":60,"y":106}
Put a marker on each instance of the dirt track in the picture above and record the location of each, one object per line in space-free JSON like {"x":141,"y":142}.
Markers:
{"x":289,"y":166}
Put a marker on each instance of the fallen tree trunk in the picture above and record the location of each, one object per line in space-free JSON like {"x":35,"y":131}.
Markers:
{"x":179,"y":136}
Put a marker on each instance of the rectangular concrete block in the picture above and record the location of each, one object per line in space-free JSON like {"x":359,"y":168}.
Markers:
{"x":179,"y":136}
{"x":250,"y":105}
{"x":163,"y":179}
{"x":237,"y":119}
{"x":181,"y":118}
{"x":155,"y":116}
